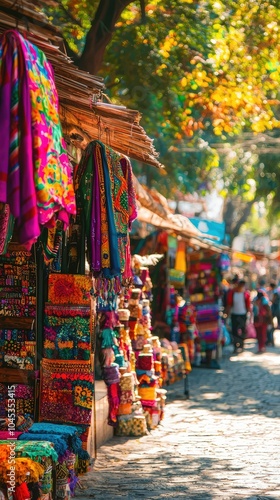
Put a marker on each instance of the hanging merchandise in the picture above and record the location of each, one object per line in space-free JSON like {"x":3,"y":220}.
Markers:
{"x":6,"y":227}
{"x":66,"y":391}
{"x":204,"y":278}
{"x":66,"y":395}
{"x":172,"y":316}
{"x":35,"y":173}
{"x":224,"y":262}
{"x":180,"y":260}
{"x":17,"y":335}
{"x":188,"y":331}
{"x":69,"y":289}
{"x":103,"y":182}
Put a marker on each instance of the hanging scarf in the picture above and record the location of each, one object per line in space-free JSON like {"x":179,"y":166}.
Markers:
{"x":35,"y":173}
{"x":17,"y":156}
{"x":105,"y":194}
{"x":96,"y":224}
{"x":115,"y":267}
{"x":105,"y":244}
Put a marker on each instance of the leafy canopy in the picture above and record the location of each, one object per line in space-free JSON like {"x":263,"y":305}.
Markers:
{"x":202,"y":73}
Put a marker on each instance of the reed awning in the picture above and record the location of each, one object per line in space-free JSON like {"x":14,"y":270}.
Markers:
{"x":84,"y":114}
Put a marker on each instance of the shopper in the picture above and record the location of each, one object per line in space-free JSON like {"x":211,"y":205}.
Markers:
{"x":238,"y":305}
{"x":262,"y":318}
{"x":275,"y":303}
{"x":274,"y":297}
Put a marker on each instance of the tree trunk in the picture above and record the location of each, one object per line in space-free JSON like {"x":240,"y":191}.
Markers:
{"x":100,"y":34}
{"x":236,"y":213}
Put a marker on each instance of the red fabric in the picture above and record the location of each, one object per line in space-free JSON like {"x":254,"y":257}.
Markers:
{"x":261,"y":335}
{"x":22,"y":492}
{"x":263,"y":313}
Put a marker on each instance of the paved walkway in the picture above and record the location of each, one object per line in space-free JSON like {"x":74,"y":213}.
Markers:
{"x":223,"y":443}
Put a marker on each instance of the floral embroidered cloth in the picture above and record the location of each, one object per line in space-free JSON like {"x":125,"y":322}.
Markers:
{"x":35,"y":173}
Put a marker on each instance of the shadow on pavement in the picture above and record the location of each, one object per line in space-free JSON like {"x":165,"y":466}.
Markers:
{"x":246,"y":384}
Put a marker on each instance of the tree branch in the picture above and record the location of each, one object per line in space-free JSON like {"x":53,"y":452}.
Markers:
{"x":100,"y":33}
{"x":236,"y":214}
{"x":143,"y":12}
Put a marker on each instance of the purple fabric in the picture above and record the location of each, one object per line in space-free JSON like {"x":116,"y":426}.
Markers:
{"x":5,"y":100}
{"x":96,"y":224}
{"x":16,"y":148}
{"x":28,"y":221}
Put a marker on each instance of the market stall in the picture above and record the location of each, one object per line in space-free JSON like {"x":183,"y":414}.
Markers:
{"x":203,"y":283}
{"x":48,"y":298}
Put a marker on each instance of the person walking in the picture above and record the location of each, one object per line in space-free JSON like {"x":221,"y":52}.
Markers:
{"x":238,"y":305}
{"x":262,"y":318}
{"x":274,"y":298}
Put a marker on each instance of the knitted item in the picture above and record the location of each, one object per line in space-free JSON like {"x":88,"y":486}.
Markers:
{"x":59,"y":444}
{"x":69,"y":433}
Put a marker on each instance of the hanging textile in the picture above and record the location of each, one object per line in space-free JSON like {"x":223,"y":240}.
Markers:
{"x":105,"y":193}
{"x":6,"y":227}
{"x":180,"y":260}
{"x":35,"y":173}
{"x":66,"y":391}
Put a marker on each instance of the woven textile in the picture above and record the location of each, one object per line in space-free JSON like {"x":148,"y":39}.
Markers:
{"x":6,"y":227}
{"x":66,"y":391}
{"x":67,"y":336}
{"x":39,"y":452}
{"x":69,"y":289}
{"x":105,"y":193}
{"x":35,"y":173}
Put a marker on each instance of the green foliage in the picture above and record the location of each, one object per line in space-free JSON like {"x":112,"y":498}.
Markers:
{"x":201,"y":72}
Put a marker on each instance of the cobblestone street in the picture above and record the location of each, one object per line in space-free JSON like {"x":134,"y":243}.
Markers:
{"x":222,"y":444}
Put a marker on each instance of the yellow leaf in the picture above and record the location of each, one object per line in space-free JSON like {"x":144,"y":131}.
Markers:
{"x":184,"y":81}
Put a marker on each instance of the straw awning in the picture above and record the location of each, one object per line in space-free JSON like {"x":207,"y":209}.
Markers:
{"x":84,"y":116}
{"x":154,"y":209}
{"x":188,"y":232}
{"x":147,"y":200}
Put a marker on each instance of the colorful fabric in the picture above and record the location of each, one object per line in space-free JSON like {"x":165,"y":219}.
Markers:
{"x":180,"y":261}
{"x":18,"y":285}
{"x":59,"y":444}
{"x":114,"y":402}
{"x":63,"y":386}
{"x":103,"y":181}
{"x":52,"y":245}
{"x":74,"y":436}
{"x":25,"y":470}
{"x":69,"y":289}
{"x":39,"y":452}
{"x":35,"y":173}
{"x":67,"y":337}
{"x":6,"y":227}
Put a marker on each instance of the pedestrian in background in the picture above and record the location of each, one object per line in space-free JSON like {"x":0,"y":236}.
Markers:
{"x":238,"y":305}
{"x":262,"y":318}
{"x":275,"y":303}
{"x":274,"y":298}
